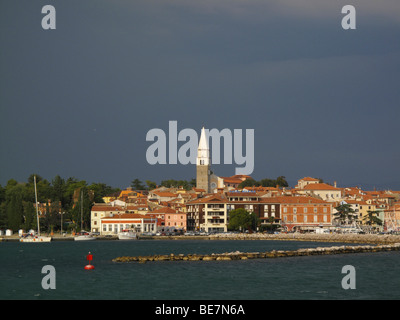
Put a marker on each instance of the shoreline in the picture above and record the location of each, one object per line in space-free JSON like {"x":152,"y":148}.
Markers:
{"x":375,"y":239}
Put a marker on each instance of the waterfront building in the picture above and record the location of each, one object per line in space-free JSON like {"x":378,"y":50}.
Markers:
{"x":112,"y":225}
{"x":322,"y":190}
{"x":100,"y":211}
{"x":266,"y":208}
{"x":392,"y":218}
{"x":305,"y":213}
{"x":209,"y":213}
{"x":176,"y":219}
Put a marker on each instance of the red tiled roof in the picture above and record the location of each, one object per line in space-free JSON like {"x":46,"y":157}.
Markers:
{"x":164,"y":210}
{"x":319,"y":186}
{"x":107,"y":208}
{"x":308,"y":179}
{"x":165,"y":194}
{"x":217,"y":197}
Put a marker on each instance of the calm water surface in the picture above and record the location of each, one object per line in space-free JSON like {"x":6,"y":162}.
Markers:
{"x":315,"y":277}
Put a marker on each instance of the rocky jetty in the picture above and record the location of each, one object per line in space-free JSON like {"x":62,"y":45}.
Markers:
{"x":228,"y":256}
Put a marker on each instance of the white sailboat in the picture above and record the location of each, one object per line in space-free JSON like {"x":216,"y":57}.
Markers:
{"x":128,"y":234}
{"x":31,"y":237}
{"x":83,"y":235}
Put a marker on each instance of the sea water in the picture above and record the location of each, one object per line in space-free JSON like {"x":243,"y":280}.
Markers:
{"x":306,"y":277}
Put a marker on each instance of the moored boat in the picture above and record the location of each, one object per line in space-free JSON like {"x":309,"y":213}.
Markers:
{"x":84,"y":236}
{"x":127,"y":235}
{"x":34,"y":238}
{"x":30,"y":237}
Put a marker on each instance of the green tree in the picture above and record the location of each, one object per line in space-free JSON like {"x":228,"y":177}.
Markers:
{"x":137,"y":185}
{"x":281,"y":181}
{"x":171,"y":183}
{"x":3,"y":215}
{"x":241,"y":219}
{"x":80,"y":213}
{"x":51,"y":219}
{"x":151,"y":185}
{"x":371,"y":218}
{"x":2,"y":194}
{"x":192,"y":183}
{"x":29,"y":216}
{"x":101,"y":190}
{"x":345,"y":214}
{"x":248,"y":183}
{"x":58,"y":190}
{"x":14,"y":205}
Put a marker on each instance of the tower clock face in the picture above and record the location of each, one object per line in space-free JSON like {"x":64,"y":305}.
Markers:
{"x":213,"y":185}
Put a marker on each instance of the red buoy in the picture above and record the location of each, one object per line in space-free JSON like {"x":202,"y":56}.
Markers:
{"x":89,"y":258}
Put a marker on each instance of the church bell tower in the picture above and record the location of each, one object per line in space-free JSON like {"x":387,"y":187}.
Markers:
{"x":203,"y":163}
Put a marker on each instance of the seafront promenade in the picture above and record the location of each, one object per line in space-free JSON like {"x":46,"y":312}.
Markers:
{"x":334,"y":237}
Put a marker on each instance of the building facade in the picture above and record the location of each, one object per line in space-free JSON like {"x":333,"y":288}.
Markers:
{"x":138,"y":222}
{"x":208,"y":214}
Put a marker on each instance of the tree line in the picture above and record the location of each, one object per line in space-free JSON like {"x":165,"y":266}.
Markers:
{"x":170,"y":183}
{"x":280,"y":181}
{"x":60,"y":198}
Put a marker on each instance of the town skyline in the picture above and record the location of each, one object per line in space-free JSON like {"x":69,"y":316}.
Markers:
{"x":79,"y":100}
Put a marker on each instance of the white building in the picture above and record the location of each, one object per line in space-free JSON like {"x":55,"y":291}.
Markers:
{"x":100,"y":211}
{"x":118,"y":222}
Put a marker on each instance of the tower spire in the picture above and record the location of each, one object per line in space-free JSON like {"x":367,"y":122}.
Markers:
{"x":203,"y":151}
{"x":203,"y":163}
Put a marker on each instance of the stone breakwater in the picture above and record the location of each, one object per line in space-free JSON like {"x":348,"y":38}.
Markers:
{"x":237,"y":255}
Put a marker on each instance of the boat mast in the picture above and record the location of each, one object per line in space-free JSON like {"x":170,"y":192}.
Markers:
{"x":81,"y":210}
{"x":36,"y":205}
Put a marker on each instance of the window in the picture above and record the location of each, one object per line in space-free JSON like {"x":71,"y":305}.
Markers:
{"x":284,"y":209}
{"x":315,"y":210}
{"x":315,"y":218}
{"x":325,"y":218}
{"x":305,"y":210}
{"x":294,"y":210}
{"x":325,"y":210}
{"x":305,"y":218}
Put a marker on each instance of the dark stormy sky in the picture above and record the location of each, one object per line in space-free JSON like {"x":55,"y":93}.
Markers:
{"x":79,"y":100}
